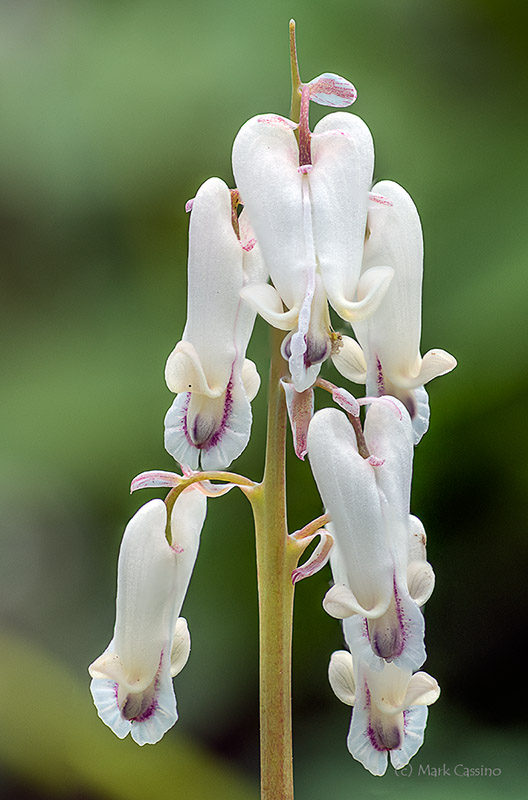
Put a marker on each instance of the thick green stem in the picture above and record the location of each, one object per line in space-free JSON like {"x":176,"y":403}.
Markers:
{"x":276,"y":558}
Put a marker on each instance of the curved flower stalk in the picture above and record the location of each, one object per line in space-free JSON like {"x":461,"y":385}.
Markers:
{"x":390,"y":338}
{"x":132,"y":681}
{"x":375,"y":568}
{"x":309,"y":217}
{"x":210,"y":419}
{"x":389,"y":710}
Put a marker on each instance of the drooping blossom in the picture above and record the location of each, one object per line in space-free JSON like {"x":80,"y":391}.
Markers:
{"x":210,"y":419}
{"x":132,"y":681}
{"x":389,"y":709}
{"x":380,"y":574}
{"x":390,"y":337}
{"x":308,"y":205}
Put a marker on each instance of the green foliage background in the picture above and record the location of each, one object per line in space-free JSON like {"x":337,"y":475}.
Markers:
{"x":113,"y":113}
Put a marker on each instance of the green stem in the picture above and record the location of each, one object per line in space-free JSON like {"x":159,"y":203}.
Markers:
{"x":277,"y":556}
{"x":295,"y":107}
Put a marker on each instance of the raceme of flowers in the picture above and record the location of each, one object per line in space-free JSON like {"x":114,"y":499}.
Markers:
{"x":313,"y":234}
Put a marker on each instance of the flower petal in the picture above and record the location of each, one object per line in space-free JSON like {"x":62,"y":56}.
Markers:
{"x":392,"y":334}
{"x":415,"y":719}
{"x":212,"y":431}
{"x":300,"y":406}
{"x":162,"y":713}
{"x":177,"y":441}
{"x":132,"y":686}
{"x":347,"y":485}
{"x":433,"y":364}
{"x":421,"y":581}
{"x":318,"y":558}
{"x":266,"y":300}
{"x":184,"y":372}
{"x":349,"y":360}
{"x":265,"y":165}
{"x":341,"y":677}
{"x":340,"y":602}
{"x":250,"y":379}
{"x":423,"y":690}
{"x":362,"y":742}
{"x":343,"y":160}
{"x":181,"y":647}
{"x":215,"y":277}
{"x":154,"y":479}
{"x":329,"y":89}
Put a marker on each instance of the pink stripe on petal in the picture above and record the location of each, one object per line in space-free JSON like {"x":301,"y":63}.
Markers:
{"x":155,"y":479}
{"x":332,"y":90}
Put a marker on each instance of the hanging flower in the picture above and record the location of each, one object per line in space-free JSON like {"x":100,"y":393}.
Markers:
{"x":210,"y":420}
{"x":390,"y":338}
{"x":308,"y":205}
{"x":389,"y":710}
{"x":132,"y":681}
{"x":380,"y":574}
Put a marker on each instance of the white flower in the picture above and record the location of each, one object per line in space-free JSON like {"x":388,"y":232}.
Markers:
{"x":390,"y":338}
{"x":310,"y":222}
{"x":210,"y":420}
{"x":132,"y":681}
{"x":390,"y":710}
{"x":380,"y":573}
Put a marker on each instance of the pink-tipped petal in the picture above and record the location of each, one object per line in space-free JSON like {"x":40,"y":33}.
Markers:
{"x":155,"y":479}
{"x":346,"y":400}
{"x":317,"y":560}
{"x":300,"y":406}
{"x":329,"y":89}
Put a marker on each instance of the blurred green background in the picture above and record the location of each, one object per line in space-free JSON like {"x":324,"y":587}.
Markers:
{"x":112,"y":114}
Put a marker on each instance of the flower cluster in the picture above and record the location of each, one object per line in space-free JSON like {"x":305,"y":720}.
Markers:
{"x":314,"y":235}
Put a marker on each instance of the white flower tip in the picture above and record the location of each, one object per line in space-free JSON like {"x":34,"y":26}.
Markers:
{"x":423,"y":690}
{"x":350,"y":361}
{"x":329,"y":89}
{"x":341,"y":677}
{"x":250,"y":379}
{"x":340,"y":602}
{"x":421,"y":581}
{"x":188,"y":205}
{"x":184,"y":372}
{"x":181,"y":647}
{"x":372,"y":288}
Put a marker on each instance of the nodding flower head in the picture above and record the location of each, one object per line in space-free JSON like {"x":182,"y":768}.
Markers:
{"x":374,"y":559}
{"x":210,"y":419}
{"x":390,"y":338}
{"x":310,"y":222}
{"x":132,"y":680}
{"x":389,"y":709}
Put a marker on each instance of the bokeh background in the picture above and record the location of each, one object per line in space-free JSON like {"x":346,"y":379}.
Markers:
{"x":112,"y":114}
